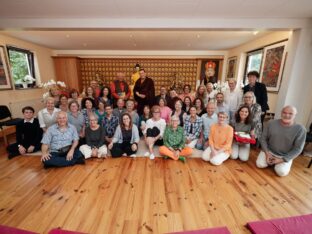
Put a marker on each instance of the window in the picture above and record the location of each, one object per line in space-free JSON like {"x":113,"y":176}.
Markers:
{"x":254,"y":61}
{"x":22,"y":67}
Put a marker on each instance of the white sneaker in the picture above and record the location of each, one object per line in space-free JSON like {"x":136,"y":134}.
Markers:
{"x":147,"y":154}
{"x":133,"y":156}
{"x":152,"y":156}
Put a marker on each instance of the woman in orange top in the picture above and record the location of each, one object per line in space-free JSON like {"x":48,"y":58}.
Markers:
{"x":220,"y":141}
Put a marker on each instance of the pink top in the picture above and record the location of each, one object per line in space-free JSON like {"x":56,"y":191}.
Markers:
{"x":165,"y":113}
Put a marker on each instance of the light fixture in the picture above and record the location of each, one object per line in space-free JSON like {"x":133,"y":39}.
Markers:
{"x":255,"y":32}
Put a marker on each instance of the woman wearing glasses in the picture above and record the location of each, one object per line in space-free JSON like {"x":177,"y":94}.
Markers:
{"x":154,"y":131}
{"x":249,"y":100}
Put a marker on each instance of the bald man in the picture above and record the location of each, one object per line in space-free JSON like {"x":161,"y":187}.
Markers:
{"x":281,"y":142}
{"x":59,"y":144}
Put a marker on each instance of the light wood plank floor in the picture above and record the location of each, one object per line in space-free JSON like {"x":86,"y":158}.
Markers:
{"x":141,"y":196}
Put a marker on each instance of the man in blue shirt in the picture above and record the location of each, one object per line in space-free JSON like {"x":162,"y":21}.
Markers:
{"x":59,"y":144}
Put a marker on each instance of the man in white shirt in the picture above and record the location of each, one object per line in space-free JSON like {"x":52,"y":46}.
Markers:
{"x":233,"y":97}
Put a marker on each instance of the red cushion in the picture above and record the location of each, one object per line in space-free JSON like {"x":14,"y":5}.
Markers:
{"x":218,"y":230}
{"x":12,"y":230}
{"x":60,"y":231}
{"x":297,"y":225}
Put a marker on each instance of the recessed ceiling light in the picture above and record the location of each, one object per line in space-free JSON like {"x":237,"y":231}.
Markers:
{"x":255,"y":32}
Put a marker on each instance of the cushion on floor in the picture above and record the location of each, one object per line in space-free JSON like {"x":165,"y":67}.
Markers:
{"x":217,"y":230}
{"x":12,"y":230}
{"x":60,"y":231}
{"x":297,"y":225}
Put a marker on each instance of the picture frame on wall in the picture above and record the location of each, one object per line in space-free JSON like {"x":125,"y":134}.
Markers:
{"x":272,"y":66}
{"x":5,"y":78}
{"x":210,"y":70}
{"x":231,"y":67}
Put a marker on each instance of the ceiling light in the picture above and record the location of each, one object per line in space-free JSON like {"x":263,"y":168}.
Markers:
{"x":255,"y":32}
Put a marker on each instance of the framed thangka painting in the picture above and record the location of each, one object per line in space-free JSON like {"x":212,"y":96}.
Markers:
{"x":231,"y":67}
{"x":272,"y":66}
{"x":5,"y":80}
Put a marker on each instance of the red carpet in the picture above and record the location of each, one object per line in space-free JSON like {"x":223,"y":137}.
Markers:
{"x":218,"y":230}
{"x":293,"y":225}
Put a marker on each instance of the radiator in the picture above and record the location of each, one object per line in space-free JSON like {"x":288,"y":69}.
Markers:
{"x":16,"y":107}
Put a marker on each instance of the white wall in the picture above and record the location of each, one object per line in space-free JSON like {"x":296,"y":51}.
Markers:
{"x":241,"y":51}
{"x":45,"y":70}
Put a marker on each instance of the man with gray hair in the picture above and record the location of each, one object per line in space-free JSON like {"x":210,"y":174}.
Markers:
{"x":281,"y":142}
{"x":59,"y":144}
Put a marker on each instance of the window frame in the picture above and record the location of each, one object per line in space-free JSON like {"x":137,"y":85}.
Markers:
{"x":248,"y":54}
{"x":31,"y":65}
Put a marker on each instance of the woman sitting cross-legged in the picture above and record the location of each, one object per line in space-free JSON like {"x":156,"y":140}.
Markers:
{"x":154,"y":131}
{"x":220,"y":141}
{"x":243,"y":127}
{"x":95,"y":134}
{"x":174,"y":141}
{"x":126,"y":138}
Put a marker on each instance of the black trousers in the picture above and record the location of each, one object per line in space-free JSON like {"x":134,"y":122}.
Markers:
{"x":154,"y":132}
{"x":13,"y":149}
{"x":122,"y":148}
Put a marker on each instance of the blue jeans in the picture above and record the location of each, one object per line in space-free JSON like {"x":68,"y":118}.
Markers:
{"x":59,"y":160}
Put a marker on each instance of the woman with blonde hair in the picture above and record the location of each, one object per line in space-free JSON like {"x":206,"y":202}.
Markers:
{"x":202,"y":94}
{"x":95,"y":134}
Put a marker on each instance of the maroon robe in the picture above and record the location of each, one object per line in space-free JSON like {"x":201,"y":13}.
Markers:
{"x":147,"y":88}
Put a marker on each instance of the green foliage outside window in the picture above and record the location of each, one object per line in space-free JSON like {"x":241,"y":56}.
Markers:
{"x":19,"y":65}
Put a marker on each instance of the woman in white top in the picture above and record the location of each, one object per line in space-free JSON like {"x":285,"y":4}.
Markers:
{"x":47,"y":116}
{"x":154,"y":131}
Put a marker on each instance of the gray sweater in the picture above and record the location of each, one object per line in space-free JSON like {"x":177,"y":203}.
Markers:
{"x":283,"y":142}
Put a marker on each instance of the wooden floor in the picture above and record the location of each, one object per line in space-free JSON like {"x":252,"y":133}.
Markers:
{"x":142,"y":196}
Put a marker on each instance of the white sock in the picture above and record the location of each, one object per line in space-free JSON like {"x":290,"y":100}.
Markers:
{"x":152,"y":156}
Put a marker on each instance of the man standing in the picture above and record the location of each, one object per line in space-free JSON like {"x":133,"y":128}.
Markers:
{"x":208,"y":119}
{"x":221,"y":105}
{"x":281,"y":142}
{"x":233,"y":97}
{"x":120,"y":88}
{"x":95,"y":85}
{"x":144,"y":91}
{"x":259,"y":90}
{"x":28,"y":135}
{"x":163,"y":94}
{"x":59,"y":144}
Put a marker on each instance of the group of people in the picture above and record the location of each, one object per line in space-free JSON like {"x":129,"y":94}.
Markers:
{"x":72,"y":128}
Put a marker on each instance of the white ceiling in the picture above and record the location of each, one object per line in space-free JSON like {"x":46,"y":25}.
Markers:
{"x":156,"y":9}
{"x":148,"y":24}
{"x":137,"y":40}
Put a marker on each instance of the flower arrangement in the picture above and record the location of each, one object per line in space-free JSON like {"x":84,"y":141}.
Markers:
{"x":51,"y":84}
{"x":220,"y":86}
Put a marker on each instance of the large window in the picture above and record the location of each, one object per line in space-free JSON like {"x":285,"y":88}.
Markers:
{"x":254,"y":59}
{"x":22,"y":67}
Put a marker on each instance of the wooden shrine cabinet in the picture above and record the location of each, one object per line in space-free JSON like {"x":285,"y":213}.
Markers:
{"x":67,"y":69}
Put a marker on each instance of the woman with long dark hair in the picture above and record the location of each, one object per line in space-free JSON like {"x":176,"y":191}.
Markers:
{"x":126,"y":138}
{"x":243,"y":127}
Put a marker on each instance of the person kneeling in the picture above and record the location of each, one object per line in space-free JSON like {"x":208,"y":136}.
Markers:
{"x":126,"y":138}
{"x":174,"y":141}
{"x":220,"y":141}
{"x":59,"y":144}
{"x":281,"y":142}
{"x":95,"y":146}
